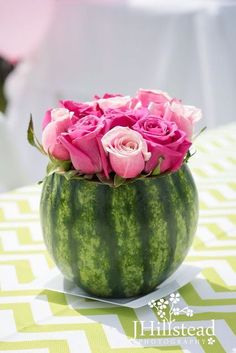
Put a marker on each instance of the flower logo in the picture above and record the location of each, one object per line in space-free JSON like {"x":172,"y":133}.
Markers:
{"x":211,"y":340}
{"x":174,"y":298}
{"x":189,"y":312}
{"x":167,"y":311}
{"x":152,"y":303}
{"x":163,"y":304}
{"x":176,"y":311}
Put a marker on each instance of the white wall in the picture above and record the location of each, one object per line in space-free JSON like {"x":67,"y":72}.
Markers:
{"x":188,"y":51}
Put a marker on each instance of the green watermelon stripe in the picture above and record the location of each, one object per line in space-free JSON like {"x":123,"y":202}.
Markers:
{"x":159,"y":243}
{"x":169,"y":216}
{"x":74,"y":226}
{"x":61,"y":224}
{"x":51,"y":193}
{"x":181,"y":216}
{"x":190,"y":196}
{"x":44,"y":209}
{"x":92,"y":256}
{"x":178,"y":182}
{"x":145,"y":231}
{"x":104,"y":224}
{"x":129,"y":246}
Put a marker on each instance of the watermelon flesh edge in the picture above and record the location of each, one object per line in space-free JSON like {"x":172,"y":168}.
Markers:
{"x":119,"y":242}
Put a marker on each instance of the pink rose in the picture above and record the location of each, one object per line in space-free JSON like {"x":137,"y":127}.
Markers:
{"x":56,"y":121}
{"x":108,"y":95}
{"x":81,"y":109}
{"x":56,"y":115}
{"x":127,"y":151}
{"x":146,"y":97}
{"x":155,"y":101}
{"x":164,"y":139}
{"x":83,"y":143}
{"x":118,"y":117}
{"x":47,"y":119}
{"x":114,"y":102}
{"x":185,"y":117}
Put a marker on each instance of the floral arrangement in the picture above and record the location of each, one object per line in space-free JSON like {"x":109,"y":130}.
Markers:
{"x":117,"y":138}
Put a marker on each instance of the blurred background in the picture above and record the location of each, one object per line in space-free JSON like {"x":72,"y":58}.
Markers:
{"x":73,"y":49}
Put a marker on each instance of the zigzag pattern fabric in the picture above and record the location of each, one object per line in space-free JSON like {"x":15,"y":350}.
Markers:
{"x":34,"y":320}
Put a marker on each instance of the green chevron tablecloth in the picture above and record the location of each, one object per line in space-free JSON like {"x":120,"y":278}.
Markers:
{"x":42,"y":321}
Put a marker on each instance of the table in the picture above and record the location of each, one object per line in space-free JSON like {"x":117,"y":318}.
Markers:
{"x":34,"y":320}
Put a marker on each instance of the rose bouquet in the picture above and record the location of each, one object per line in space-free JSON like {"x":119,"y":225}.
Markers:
{"x":124,"y":238}
{"x":118,"y":137}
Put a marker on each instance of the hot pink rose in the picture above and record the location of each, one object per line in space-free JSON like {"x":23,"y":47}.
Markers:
{"x":118,"y":117}
{"x":108,"y":95}
{"x":164,"y":139}
{"x":81,"y":109}
{"x":56,"y":122}
{"x":185,"y":116}
{"x":127,"y":151}
{"x":83,"y":142}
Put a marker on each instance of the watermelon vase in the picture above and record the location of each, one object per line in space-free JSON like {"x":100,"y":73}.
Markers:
{"x":119,"y":242}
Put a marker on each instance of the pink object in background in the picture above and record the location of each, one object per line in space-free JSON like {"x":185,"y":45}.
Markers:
{"x":23,"y":25}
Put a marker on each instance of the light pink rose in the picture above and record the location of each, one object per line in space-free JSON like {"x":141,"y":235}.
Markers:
{"x":111,"y":101}
{"x":56,"y":122}
{"x":165,"y":140}
{"x":162,"y":105}
{"x":127,"y":151}
{"x":114,"y":102}
{"x":146,"y":97}
{"x":61,"y":114}
{"x":47,"y":119}
{"x":185,"y":117}
{"x":56,"y":115}
{"x":83,"y":143}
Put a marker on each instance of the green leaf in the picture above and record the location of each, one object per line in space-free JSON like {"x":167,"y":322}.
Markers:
{"x":199,"y":133}
{"x":50,"y":168}
{"x":31,"y":137}
{"x":88,"y":176}
{"x":30,"y":132}
{"x":103,"y":179}
{"x":71,"y":174}
{"x":189,"y":154}
{"x":61,"y":167}
{"x":143,"y":176}
{"x":64,"y":165}
{"x":118,"y":181}
{"x":157,"y":170}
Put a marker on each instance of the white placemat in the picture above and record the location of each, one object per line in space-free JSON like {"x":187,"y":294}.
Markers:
{"x":55,"y":281}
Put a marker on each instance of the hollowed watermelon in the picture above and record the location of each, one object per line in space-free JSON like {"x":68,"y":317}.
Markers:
{"x":119,"y":242}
